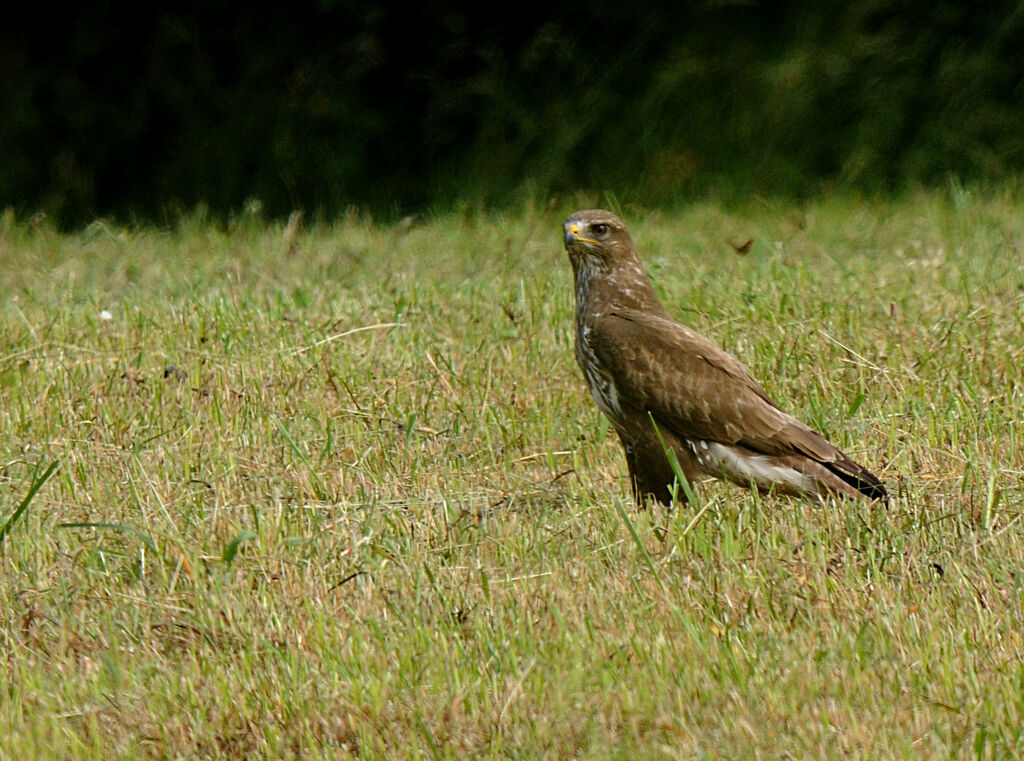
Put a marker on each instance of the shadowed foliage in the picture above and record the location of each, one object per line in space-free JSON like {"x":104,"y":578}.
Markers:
{"x":129,"y":109}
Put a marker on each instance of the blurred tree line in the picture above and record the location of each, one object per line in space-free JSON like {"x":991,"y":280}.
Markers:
{"x":132,"y":110}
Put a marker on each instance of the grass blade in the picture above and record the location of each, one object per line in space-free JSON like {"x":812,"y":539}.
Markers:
{"x":318,"y":484}
{"x":684,"y":484}
{"x":231,"y":549}
{"x":37,"y":484}
{"x":116,"y":527}
{"x":648,"y":560}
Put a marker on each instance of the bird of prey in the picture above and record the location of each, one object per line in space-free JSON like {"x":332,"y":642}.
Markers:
{"x":665,"y":386}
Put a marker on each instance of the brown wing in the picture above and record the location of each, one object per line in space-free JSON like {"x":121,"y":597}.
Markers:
{"x":694,"y":388}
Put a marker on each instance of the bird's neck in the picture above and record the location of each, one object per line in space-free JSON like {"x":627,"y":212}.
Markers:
{"x":624,"y":286}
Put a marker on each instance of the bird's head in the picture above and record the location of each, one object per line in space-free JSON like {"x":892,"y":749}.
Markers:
{"x":596,"y":238}
{"x":604,"y":262}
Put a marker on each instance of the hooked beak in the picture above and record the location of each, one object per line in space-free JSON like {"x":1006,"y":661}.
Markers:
{"x":572,"y":234}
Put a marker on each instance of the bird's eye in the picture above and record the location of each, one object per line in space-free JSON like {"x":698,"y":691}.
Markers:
{"x":599,"y":229}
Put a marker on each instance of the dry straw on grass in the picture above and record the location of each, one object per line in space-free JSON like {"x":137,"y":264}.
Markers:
{"x":338,"y":493}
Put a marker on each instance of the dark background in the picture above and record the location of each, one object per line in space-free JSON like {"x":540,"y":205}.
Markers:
{"x":141,"y":113}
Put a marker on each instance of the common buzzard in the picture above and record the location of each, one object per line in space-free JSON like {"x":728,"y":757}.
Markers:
{"x":661,"y":383}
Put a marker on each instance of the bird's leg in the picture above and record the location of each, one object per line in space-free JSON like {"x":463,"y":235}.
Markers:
{"x":651,"y":473}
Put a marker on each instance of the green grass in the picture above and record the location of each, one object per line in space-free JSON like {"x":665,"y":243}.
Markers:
{"x":341,"y":493}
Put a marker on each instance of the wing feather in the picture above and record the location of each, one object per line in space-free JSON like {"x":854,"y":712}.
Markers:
{"x":694,"y":388}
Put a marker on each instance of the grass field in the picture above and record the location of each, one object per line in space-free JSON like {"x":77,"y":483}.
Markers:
{"x":340,"y":493}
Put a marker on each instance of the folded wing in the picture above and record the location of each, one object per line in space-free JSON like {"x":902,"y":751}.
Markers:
{"x":700,"y":392}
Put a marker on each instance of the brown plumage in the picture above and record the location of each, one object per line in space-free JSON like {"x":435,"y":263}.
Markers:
{"x":641,"y":365}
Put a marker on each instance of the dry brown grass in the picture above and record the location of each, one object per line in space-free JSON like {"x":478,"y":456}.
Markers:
{"x":339,"y":493}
